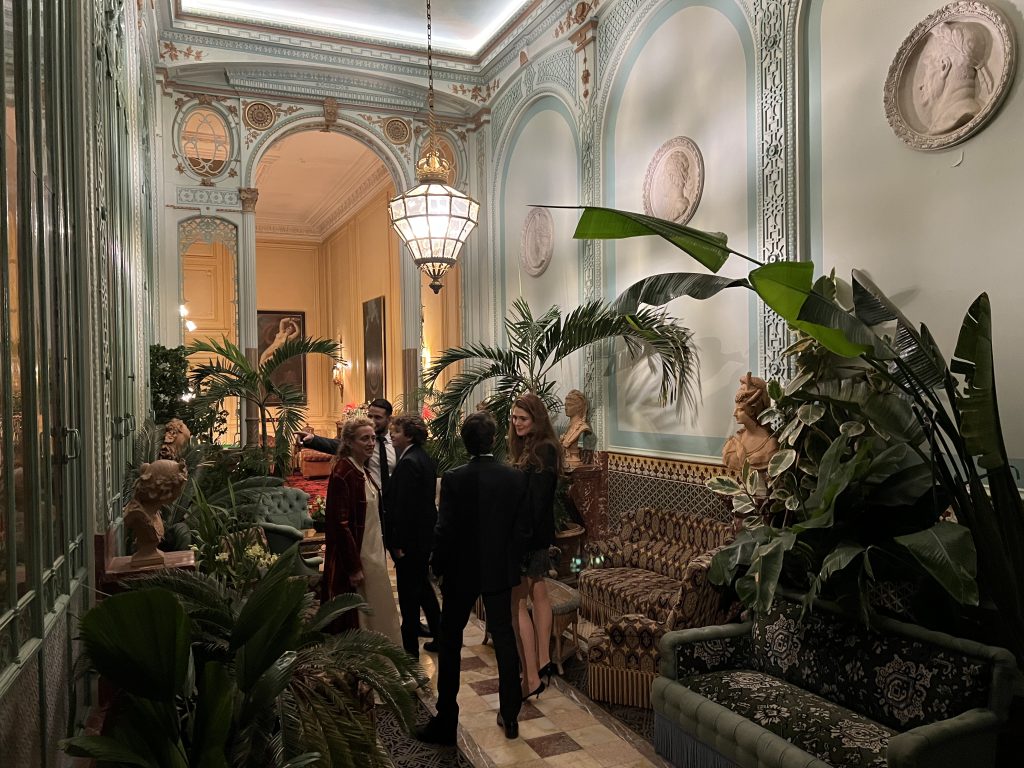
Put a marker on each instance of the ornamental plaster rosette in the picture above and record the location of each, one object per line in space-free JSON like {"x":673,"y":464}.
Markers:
{"x":950,"y":75}
{"x":674,"y":181}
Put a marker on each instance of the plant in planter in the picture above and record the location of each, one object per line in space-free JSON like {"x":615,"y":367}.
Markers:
{"x":207,"y":675}
{"x":232,"y":374}
{"x":953,"y":406}
{"x":537,"y":344}
{"x":173,"y":396}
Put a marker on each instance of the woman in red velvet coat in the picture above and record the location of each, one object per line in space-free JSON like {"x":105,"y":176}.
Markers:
{"x":355,"y":559}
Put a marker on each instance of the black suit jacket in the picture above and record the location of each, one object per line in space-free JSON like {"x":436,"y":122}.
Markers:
{"x":482,"y":527}
{"x":409,"y":511}
{"x":323,"y":444}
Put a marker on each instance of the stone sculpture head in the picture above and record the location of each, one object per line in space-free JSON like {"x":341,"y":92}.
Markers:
{"x":160,"y":482}
{"x":946,"y":83}
{"x":176,"y":437}
{"x":751,"y":399}
{"x":576,"y":405}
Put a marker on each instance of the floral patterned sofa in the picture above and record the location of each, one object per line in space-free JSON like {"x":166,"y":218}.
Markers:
{"x":648,"y":580}
{"x":824,"y":691}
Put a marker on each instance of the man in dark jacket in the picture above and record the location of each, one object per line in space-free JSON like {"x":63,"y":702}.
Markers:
{"x":409,"y":519}
{"x":482,"y":527}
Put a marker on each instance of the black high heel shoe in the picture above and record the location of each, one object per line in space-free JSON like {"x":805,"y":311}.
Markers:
{"x":548,"y":671}
{"x":536,"y":691}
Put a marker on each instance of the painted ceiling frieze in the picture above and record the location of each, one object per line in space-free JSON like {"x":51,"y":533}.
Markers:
{"x":575,"y":16}
{"x":171,"y":52}
{"x":476,"y":93}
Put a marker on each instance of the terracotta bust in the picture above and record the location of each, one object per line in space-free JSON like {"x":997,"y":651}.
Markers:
{"x":159,"y":483}
{"x":176,"y":437}
{"x":752,"y":443}
{"x":576,"y":408}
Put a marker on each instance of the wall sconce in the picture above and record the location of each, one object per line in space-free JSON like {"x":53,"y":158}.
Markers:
{"x":190,"y":326}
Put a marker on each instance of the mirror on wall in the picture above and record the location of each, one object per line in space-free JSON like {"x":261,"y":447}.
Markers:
{"x":208,"y":254}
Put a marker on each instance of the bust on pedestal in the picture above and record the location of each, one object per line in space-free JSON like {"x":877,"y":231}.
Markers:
{"x":159,"y":483}
{"x":576,"y":408}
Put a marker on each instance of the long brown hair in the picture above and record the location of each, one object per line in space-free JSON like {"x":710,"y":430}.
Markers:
{"x":523,"y":450}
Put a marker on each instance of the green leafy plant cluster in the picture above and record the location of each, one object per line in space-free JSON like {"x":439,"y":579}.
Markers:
{"x":954,"y":407}
{"x":208,"y":676}
{"x":536,"y":346}
{"x":169,"y":384}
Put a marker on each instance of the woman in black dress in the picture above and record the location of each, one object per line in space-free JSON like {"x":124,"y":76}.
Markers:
{"x":534,"y":448}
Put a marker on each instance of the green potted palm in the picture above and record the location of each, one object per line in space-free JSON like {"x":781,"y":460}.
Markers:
{"x":230,"y":373}
{"x":534,"y":349}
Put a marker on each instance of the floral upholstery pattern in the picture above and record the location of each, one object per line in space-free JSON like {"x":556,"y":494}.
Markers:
{"x":830,"y":732}
{"x":895,"y":680}
{"x":716,"y":655}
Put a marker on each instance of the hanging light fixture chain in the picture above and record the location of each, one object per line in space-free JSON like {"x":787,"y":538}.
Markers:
{"x":431,"y":124}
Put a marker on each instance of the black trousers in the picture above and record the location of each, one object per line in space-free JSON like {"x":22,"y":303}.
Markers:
{"x":414,"y":592}
{"x":454,"y":616}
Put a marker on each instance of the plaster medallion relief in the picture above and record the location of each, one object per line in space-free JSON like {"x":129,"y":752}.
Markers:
{"x":259,"y":115}
{"x":950,"y":75}
{"x":397,"y":131}
{"x":538,"y":241}
{"x":674,"y":181}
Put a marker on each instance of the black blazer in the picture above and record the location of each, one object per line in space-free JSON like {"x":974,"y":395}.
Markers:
{"x":482,"y":527}
{"x":323,"y":444}
{"x":409,"y":511}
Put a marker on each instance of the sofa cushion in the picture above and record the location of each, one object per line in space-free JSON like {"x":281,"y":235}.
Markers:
{"x":630,"y":642}
{"x":896,"y":680}
{"x":832,"y":733}
{"x":627,"y":590}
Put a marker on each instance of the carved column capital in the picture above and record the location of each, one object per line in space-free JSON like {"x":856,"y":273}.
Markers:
{"x":248,"y":196}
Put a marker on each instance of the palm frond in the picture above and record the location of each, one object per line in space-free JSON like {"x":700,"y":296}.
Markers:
{"x":295,"y":347}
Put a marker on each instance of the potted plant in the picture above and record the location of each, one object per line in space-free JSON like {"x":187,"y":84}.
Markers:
{"x":208,"y":674}
{"x":232,"y":374}
{"x":536,"y":345}
{"x":954,"y":407}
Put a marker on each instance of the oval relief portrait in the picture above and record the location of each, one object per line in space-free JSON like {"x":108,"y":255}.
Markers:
{"x":950,"y":75}
{"x":674,"y":181}
{"x":538,"y":241}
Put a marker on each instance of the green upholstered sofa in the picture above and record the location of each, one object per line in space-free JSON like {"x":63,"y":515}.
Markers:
{"x":824,"y":691}
{"x":649,"y":579}
{"x":284,"y":515}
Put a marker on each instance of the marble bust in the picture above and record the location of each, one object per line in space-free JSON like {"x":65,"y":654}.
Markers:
{"x":753,"y":443}
{"x":576,"y":408}
{"x":159,"y":483}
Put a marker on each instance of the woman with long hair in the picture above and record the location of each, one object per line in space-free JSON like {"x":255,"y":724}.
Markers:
{"x":355,"y":560}
{"x":534,"y":448}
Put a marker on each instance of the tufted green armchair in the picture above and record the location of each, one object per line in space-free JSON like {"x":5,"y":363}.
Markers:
{"x":283,"y":515}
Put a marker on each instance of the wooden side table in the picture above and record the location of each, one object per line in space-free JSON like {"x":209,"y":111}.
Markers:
{"x":565,"y":611}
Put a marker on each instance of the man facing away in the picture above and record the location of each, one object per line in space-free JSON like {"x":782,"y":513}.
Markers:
{"x":409,"y":520}
{"x":482,"y":527}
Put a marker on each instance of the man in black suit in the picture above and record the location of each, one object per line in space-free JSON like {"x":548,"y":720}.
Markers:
{"x":409,"y":519}
{"x":482,"y":527}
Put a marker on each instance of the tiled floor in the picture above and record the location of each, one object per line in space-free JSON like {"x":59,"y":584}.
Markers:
{"x":561,"y":728}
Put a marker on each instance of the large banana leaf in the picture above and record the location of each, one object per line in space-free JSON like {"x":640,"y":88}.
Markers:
{"x":140,"y":642}
{"x":213,"y":716}
{"x":658,"y":290}
{"x":946,"y":551}
{"x":708,"y":248}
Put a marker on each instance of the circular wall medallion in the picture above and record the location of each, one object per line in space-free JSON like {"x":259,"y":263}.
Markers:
{"x":950,"y":75}
{"x":397,"y":131}
{"x":674,"y":181}
{"x":259,"y":115}
{"x":538,"y":241}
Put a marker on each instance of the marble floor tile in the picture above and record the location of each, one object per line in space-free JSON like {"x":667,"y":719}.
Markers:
{"x":553,"y":744}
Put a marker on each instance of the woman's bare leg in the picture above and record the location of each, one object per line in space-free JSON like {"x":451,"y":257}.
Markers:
{"x":527,"y":643}
{"x":542,"y":620}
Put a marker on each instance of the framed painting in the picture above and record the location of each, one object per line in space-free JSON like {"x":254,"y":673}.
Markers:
{"x":373,"y":348}
{"x":272,"y":330}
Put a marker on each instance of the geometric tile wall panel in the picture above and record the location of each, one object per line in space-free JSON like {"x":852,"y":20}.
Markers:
{"x":638,"y":481}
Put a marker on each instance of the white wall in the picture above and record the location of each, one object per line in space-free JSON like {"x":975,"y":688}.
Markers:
{"x":542,"y":167}
{"x":687,"y":74}
{"x":933,"y":229}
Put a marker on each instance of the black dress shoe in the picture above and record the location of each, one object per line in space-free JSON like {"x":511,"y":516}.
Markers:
{"x":511,"y":729}
{"x":431,"y":646}
{"x":436,"y":732}
{"x":425,"y":630}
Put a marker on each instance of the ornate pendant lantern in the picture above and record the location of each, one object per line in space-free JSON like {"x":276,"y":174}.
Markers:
{"x":432,"y":218}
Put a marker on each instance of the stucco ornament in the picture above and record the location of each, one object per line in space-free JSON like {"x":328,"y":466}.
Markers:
{"x":538,"y":241}
{"x":674,"y":181}
{"x":950,"y":75}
